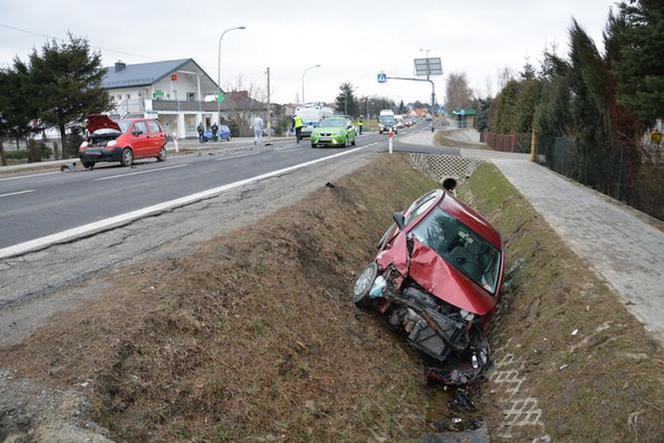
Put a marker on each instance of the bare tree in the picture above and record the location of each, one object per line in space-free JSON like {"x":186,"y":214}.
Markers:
{"x":243,"y":102}
{"x":504,"y":76}
{"x":458,"y":92}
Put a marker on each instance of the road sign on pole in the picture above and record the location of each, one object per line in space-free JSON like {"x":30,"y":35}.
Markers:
{"x":220,"y":97}
{"x":382,"y":77}
{"x":428,"y":66}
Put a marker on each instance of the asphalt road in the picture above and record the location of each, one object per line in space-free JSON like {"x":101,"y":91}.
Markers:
{"x":37,"y":205}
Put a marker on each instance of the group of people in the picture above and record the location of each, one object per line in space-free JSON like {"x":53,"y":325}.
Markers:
{"x":258,"y":126}
{"x":201,"y":131}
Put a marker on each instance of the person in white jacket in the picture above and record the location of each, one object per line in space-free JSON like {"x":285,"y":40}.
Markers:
{"x":258,"y":130}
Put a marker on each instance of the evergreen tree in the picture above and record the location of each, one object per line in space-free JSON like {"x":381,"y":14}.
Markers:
{"x":641,"y":69}
{"x":69,"y":75}
{"x":346,"y":101}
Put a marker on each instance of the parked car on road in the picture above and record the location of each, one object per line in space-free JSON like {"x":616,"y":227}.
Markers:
{"x":122,"y":140}
{"x":437,"y":279}
{"x":334,"y":131}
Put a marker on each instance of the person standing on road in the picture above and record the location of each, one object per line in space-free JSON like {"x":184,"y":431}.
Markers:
{"x":360,"y":123}
{"x":297,"y":124}
{"x":258,"y":130}
{"x":215,"y":129}
{"x":200,"y":130}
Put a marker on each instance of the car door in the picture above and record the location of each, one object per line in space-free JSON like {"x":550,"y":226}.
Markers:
{"x":141,"y":139}
{"x":157,"y":137}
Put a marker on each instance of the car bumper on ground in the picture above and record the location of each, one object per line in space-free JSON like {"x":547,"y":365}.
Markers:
{"x":101,"y":154}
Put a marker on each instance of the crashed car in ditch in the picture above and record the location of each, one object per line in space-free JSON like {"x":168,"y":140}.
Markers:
{"x":437,"y":279}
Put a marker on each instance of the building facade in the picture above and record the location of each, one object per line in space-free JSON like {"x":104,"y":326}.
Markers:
{"x":174,"y":91}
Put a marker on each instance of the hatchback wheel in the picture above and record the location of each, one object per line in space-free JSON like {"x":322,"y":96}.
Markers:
{"x":127,"y":157}
{"x":88,"y":165}
{"x":162,"y":155}
{"x":363,"y":285}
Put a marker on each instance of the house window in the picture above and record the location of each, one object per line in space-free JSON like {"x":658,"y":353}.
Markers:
{"x":191,"y":96}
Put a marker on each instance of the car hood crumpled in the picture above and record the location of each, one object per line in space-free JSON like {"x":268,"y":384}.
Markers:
{"x":444,"y":281}
{"x":436,"y":276}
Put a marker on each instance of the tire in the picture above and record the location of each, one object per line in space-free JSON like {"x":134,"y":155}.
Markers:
{"x":162,"y":154}
{"x":363,"y":284}
{"x":127,"y":157}
{"x":354,"y":142}
{"x":88,"y":165}
{"x":314,"y":145}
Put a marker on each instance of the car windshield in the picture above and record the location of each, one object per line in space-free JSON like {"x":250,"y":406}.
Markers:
{"x":387,"y":120}
{"x":460,"y":247}
{"x":124,"y":125}
{"x":333,"y":123}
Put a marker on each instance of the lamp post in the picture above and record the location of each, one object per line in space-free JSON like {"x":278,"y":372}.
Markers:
{"x":219,"y":63}
{"x":303,"y":73}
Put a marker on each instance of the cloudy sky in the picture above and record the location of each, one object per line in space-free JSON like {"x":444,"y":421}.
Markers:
{"x":352,"y":40}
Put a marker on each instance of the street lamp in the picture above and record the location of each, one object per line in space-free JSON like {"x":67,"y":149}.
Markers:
{"x":219,"y":62}
{"x":305,"y":71}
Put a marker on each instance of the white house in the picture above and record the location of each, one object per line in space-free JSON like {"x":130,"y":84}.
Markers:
{"x":173,"y":90}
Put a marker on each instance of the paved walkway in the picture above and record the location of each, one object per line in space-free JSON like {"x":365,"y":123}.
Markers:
{"x":623,"y":249}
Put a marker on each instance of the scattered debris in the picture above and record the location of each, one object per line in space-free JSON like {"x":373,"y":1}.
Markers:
{"x":462,"y":400}
{"x":574,"y":332}
{"x":563,"y":366}
{"x":68,"y":167}
{"x":330,"y":185}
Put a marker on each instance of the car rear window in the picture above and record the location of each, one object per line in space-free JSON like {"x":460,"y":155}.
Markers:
{"x":154,"y":126}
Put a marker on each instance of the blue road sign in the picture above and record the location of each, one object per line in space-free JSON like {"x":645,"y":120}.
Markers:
{"x":382,"y":77}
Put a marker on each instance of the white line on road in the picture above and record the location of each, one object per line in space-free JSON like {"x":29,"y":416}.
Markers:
{"x":118,"y":220}
{"x":140,"y":172}
{"x":17,"y":193}
{"x":28,"y":176}
{"x":238,"y":156}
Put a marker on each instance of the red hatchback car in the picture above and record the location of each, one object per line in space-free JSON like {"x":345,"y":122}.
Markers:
{"x":122,"y":140}
{"x":437,"y":279}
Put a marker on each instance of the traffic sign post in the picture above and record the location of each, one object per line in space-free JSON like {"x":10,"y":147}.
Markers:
{"x":382,"y":77}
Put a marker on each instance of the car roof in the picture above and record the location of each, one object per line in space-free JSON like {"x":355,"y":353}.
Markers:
{"x":471,"y":218}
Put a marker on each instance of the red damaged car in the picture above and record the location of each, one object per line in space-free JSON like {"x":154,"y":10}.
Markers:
{"x":122,"y":140}
{"x":437,"y":278}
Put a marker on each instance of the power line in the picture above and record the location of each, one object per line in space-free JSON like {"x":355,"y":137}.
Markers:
{"x":14,"y":28}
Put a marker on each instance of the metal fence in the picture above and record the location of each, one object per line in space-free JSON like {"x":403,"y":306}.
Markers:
{"x":622,"y":172}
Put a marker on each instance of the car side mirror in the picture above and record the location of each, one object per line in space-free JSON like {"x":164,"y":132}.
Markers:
{"x":400,"y":220}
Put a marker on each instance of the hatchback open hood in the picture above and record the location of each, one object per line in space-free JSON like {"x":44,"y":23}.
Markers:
{"x":100,"y":121}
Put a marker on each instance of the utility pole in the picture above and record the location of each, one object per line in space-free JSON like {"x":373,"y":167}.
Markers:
{"x":269,"y":104}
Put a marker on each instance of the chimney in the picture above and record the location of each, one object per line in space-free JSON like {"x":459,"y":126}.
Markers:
{"x":120,"y":66}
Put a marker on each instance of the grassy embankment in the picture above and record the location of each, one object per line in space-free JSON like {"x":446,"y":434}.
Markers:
{"x":611,"y":385}
{"x":253,"y":337}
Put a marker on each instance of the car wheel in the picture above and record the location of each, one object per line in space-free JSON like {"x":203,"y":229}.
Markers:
{"x":162,"y":154}
{"x":88,"y":165}
{"x":127,"y":157}
{"x":363,"y":285}
{"x":354,"y":142}
{"x":314,"y":145}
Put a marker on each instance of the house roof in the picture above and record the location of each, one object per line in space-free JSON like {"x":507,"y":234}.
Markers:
{"x":143,"y":74}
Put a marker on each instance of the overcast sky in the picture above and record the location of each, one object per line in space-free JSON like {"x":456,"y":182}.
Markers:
{"x":352,"y":40}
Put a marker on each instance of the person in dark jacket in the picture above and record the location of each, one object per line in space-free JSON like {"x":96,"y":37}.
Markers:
{"x":200,"y":130}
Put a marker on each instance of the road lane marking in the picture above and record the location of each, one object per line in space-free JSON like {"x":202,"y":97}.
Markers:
{"x":239,"y":156}
{"x":17,"y":193}
{"x":111,"y":177}
{"x":28,"y":176}
{"x":123,"y":219}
